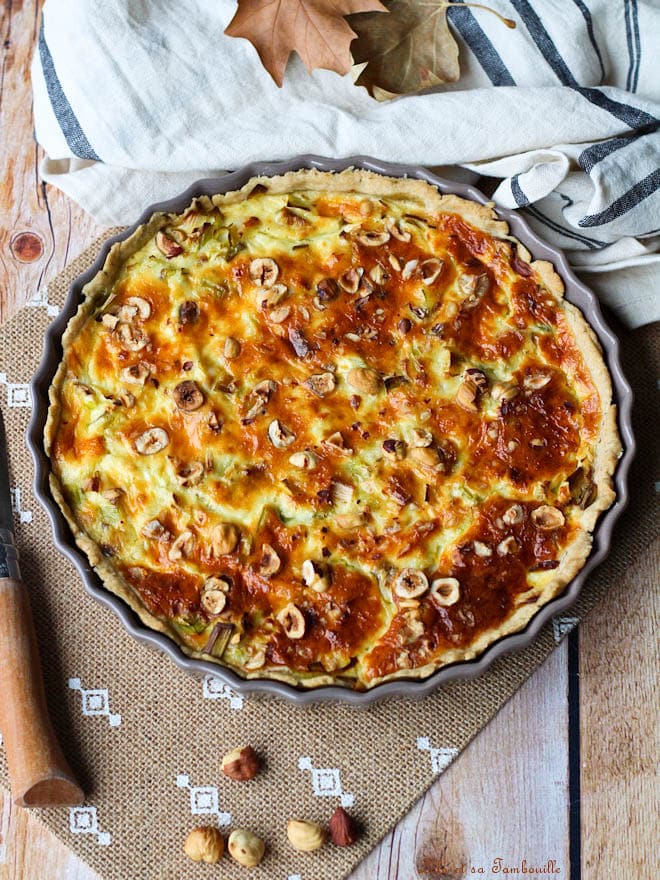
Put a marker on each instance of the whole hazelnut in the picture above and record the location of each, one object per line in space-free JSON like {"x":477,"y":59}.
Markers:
{"x":205,"y":844}
{"x":241,"y":763}
{"x":342,"y":828}
{"x":305,"y":836}
{"x":246,"y":848}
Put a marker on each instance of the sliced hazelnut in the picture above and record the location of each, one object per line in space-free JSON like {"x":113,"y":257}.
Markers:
{"x":292,"y":621}
{"x":181,"y":547}
{"x":167,"y":246}
{"x":426,"y":456}
{"x":224,"y":539}
{"x":482,"y":549}
{"x":343,"y":831}
{"x":507,"y":546}
{"x":137,"y":374}
{"x":269,"y":562}
{"x":409,"y":269}
{"x":305,"y":836}
{"x":473,"y":287}
{"x":420,"y":437}
{"x":350,"y":280}
{"x":373,"y":239}
{"x":257,"y":661}
{"x":259,"y":397}
{"x":377,"y":274}
{"x":315,"y":575}
{"x":246,"y":848}
{"x":365,"y":379}
{"x":187,"y":396}
{"x":279,"y":315}
{"x":213,"y":601}
{"x":394,"y":449}
{"x":537,"y":380}
{"x":306,"y":460}
{"x":241,"y":764}
{"x":327,"y":290}
{"x":394,"y":262}
{"x":190,"y":473}
{"x":410,"y":583}
{"x":155,"y":530}
{"x":336,"y":441}
{"x":131,"y":338}
{"x":342,"y":493}
{"x":272,"y":296}
{"x":547,"y":518}
{"x":513,"y":515}
{"x":264,"y":271}
{"x":231,"y":348}
{"x":321,"y":383}
{"x":151,"y":441}
{"x":133,"y":307}
{"x":280,"y":436}
{"x":205,"y":844}
{"x":397,"y":232}
{"x":431,"y":269}
{"x":445,"y":591}
{"x":474,"y":383}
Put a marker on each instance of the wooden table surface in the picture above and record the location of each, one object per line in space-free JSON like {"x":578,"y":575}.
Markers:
{"x":565,"y":772}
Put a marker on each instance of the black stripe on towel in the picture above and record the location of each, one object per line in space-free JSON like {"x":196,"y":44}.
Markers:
{"x":632,"y":116}
{"x":521,"y":199}
{"x":629,"y":200}
{"x":75,"y":136}
{"x":638,"y":44}
{"x":592,"y":243}
{"x":544,"y":41}
{"x":594,"y":154}
{"x":484,"y":51}
{"x":590,"y":30}
{"x":631,"y":45}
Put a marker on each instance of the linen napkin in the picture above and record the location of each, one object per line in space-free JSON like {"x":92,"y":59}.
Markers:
{"x":134,"y":100}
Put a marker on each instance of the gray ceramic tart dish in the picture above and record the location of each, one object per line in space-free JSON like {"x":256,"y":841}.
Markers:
{"x":576,"y":292}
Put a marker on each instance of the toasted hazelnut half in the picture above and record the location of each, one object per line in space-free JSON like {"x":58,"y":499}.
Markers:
{"x":279,"y":435}
{"x":292,"y":621}
{"x":264,"y":271}
{"x":279,"y":315}
{"x":397,"y":232}
{"x":426,"y":456}
{"x":241,"y":764}
{"x":350,"y":280}
{"x":373,"y":239}
{"x":131,"y":338}
{"x":377,"y":274}
{"x":315,"y":575}
{"x":342,"y":828}
{"x":205,"y":844}
{"x":306,"y":460}
{"x":152,"y":441}
{"x":181,"y":547}
{"x":246,"y":848}
{"x":213,"y":601}
{"x":137,"y":374}
{"x":336,"y":441}
{"x":321,"y":383}
{"x":410,"y":583}
{"x":409,"y":269}
{"x":269,"y":297}
{"x":305,"y":836}
{"x":187,"y":396}
{"x":224,"y":539}
{"x":513,"y":515}
{"x":547,"y":518}
{"x":167,"y":246}
{"x":445,"y":591}
{"x":431,"y":269}
{"x":269,"y":562}
{"x":231,"y":348}
{"x":364,"y":379}
{"x":139,"y":305}
{"x":473,"y":286}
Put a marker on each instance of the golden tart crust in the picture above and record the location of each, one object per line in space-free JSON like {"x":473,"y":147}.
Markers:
{"x":331,"y":428}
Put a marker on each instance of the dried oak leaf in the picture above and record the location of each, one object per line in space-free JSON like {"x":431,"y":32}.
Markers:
{"x":408,"y":50}
{"x":315,"y":29}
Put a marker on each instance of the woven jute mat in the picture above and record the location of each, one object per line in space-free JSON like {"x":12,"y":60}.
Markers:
{"x":146,"y":739}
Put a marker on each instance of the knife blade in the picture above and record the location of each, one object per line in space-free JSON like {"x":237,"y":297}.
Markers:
{"x":8,"y":552}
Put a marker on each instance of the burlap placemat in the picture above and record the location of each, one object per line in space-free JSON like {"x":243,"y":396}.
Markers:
{"x":146,"y":739}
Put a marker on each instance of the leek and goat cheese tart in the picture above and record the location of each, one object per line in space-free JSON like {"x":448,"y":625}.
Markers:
{"x":331,"y":428}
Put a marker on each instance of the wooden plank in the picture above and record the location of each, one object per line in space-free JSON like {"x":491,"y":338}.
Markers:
{"x":619,"y":663}
{"x":505,"y":798}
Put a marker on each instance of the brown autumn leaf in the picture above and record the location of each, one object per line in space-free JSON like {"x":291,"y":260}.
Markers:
{"x":408,"y":50}
{"x":315,"y":29}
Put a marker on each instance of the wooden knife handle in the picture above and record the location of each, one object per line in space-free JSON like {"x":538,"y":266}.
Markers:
{"x":39,"y":773}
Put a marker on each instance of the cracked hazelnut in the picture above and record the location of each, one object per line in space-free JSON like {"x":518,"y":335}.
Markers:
{"x":364,"y":379}
{"x":224,"y":538}
{"x":305,"y":836}
{"x":131,"y":338}
{"x":306,"y":460}
{"x":137,"y":374}
{"x":167,"y":246}
{"x":187,"y":396}
{"x":292,"y":620}
{"x":430,"y":269}
{"x":350,"y":280}
{"x":269,"y":562}
{"x":513,"y":515}
{"x":280,"y":436}
{"x":246,"y":848}
{"x":205,"y":844}
{"x":410,"y":583}
{"x":342,"y":828}
{"x":547,"y":518}
{"x":321,"y":383}
{"x":231,"y":348}
{"x":264,"y":271}
{"x":241,"y":763}
{"x":373,"y":239}
{"x":445,"y":591}
{"x":190,"y":473}
{"x":181,"y":547}
{"x":213,"y":601}
{"x":152,"y":441}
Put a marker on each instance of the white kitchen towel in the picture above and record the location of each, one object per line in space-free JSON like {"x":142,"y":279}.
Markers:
{"x":136,"y":99}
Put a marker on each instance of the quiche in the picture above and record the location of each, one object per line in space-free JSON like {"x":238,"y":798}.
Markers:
{"x":331,"y":428}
